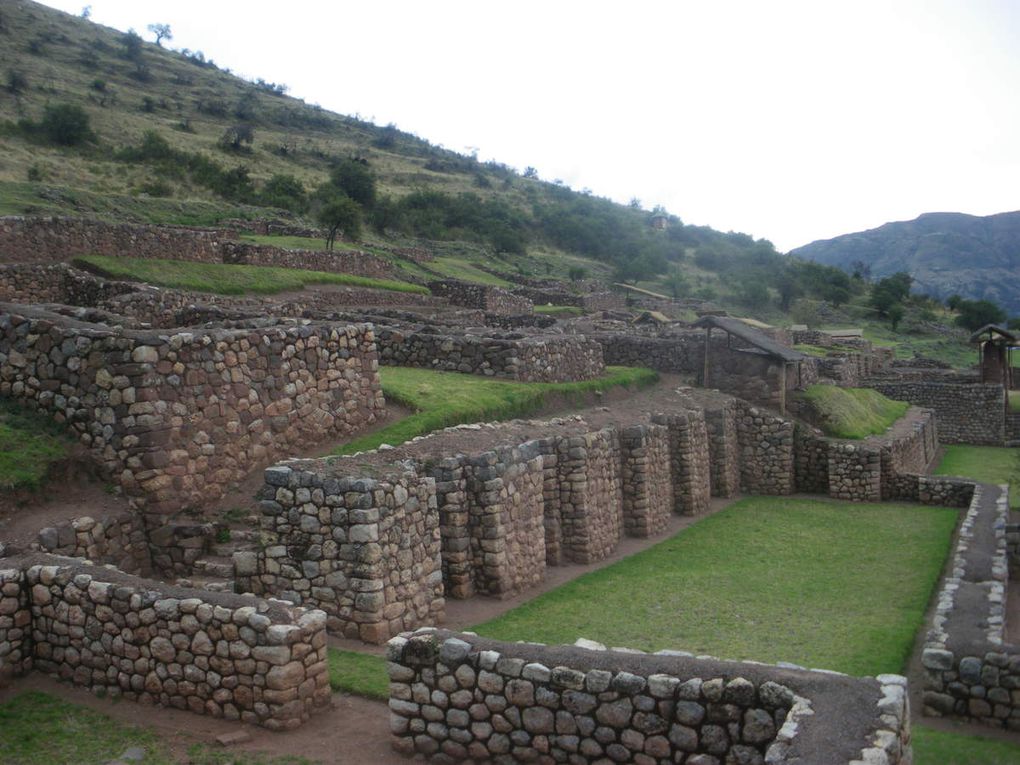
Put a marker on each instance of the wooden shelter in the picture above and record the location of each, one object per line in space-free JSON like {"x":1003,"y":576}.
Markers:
{"x":995,"y":346}
{"x":753,"y":342}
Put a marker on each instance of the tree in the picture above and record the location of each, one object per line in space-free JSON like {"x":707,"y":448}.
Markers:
{"x":789,"y":288}
{"x":861,"y":270}
{"x":974,"y":314}
{"x":530,"y":172}
{"x":895,"y":314}
{"x":953,"y":302}
{"x":132,"y":45}
{"x":676,"y":281}
{"x":890,"y":291}
{"x":65,"y":125}
{"x":340,"y":215}
{"x":162,"y":32}
{"x":577,"y":273}
{"x":86,"y":12}
{"x":354,"y":178}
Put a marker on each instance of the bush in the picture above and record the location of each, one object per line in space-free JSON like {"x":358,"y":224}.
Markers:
{"x":355,"y":179}
{"x":340,"y":215}
{"x":65,"y":125}
{"x":284,"y":191}
{"x":17,"y":82}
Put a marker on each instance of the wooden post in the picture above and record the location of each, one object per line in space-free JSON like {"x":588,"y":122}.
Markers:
{"x":782,"y":387}
{"x":708,"y":343}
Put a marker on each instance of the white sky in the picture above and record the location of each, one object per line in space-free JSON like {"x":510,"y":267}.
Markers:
{"x":791,"y":121}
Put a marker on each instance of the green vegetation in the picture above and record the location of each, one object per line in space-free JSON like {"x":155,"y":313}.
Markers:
{"x":853,"y":412}
{"x":992,"y":464}
{"x":770,"y":579}
{"x":228,"y":279}
{"x":559,"y":310}
{"x":29,"y":443}
{"x":938,"y":747}
{"x":442,"y":399}
{"x":362,"y":674}
{"x":813,"y":350}
{"x":40,"y":729}
{"x":1014,"y":400}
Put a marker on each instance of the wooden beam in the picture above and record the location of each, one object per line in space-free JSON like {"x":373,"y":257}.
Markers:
{"x":708,"y":343}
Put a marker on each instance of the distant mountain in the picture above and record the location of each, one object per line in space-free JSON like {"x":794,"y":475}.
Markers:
{"x":946,"y":253}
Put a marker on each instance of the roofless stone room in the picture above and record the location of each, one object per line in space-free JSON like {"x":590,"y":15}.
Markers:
{"x":401,"y":413}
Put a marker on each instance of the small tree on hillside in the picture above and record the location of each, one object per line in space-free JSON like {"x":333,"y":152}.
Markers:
{"x":355,"y":179}
{"x":341,"y":215}
{"x":162,"y":32}
{"x":66,"y":125}
{"x":238,"y":138}
{"x":974,"y":314}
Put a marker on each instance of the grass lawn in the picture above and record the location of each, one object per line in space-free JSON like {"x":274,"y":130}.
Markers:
{"x":853,"y":412}
{"x":29,"y":443}
{"x":442,"y":399}
{"x":229,"y":279}
{"x":559,"y":310}
{"x":40,"y":729}
{"x":993,"y":464}
{"x":770,"y":579}
{"x":461,"y":268}
{"x":360,"y":673}
{"x":936,"y":747}
{"x":1014,"y":400}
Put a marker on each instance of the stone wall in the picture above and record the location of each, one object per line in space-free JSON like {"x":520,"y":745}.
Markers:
{"x":457,"y":697}
{"x":590,"y":507}
{"x":663,"y":354}
{"x":967,"y":413}
{"x":175,"y":419}
{"x":115,"y":539}
{"x":855,"y":472}
{"x":646,"y":480}
{"x":690,"y":461}
{"x":971,"y":671}
{"x":491,"y":514}
{"x":366,"y":551}
{"x":766,"y":451}
{"x":596,"y":300}
{"x":34,"y":240}
{"x":525,"y":358}
{"x":209,"y":653}
{"x":724,"y":451}
{"x":481,"y":296}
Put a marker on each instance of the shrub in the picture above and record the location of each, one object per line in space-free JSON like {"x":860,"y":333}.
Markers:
{"x":340,"y":214}
{"x":238,"y":138}
{"x":65,"y":125}
{"x":355,"y":179}
{"x":17,"y":82}
{"x":98,"y":85}
{"x":284,"y":191}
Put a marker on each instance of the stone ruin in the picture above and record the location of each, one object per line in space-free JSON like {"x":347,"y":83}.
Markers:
{"x":178,"y":395}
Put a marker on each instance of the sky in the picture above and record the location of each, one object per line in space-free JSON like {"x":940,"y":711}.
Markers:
{"x":790,"y":121}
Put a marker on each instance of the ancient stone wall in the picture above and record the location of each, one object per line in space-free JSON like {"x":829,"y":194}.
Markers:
{"x":209,"y":653}
{"x":647,"y":482}
{"x":456,"y":697}
{"x":766,"y":451}
{"x":35,"y":240}
{"x":484,"y":297}
{"x":174,"y":419}
{"x":526,"y":358}
{"x":598,"y":300}
{"x":855,"y":472}
{"x":690,"y":460}
{"x":966,"y":413}
{"x":591,"y":506}
{"x":491,"y":515}
{"x":366,"y":551}
{"x":811,"y":460}
{"x":115,"y":539}
{"x":663,"y":354}
{"x":724,"y":451}
{"x":970,"y":670}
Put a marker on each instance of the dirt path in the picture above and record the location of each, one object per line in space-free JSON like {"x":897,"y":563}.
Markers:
{"x":354,"y":731}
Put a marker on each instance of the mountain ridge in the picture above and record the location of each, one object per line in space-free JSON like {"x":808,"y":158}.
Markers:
{"x":946,"y":253}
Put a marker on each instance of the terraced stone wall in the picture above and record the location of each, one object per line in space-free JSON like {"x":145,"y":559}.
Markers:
{"x":525,"y":358}
{"x":591,"y":500}
{"x":457,"y":697}
{"x":209,"y":653}
{"x":766,"y":446}
{"x":689,"y":460}
{"x":724,"y":451}
{"x":119,"y":540}
{"x":365,"y":551}
{"x":174,"y":419}
{"x":966,"y":413}
{"x":486,"y":298}
{"x":646,"y":481}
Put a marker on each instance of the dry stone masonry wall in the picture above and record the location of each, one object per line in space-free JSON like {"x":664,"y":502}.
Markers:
{"x":539,"y":358}
{"x":176,"y":418}
{"x":366,"y":551}
{"x":647,"y":479}
{"x":210,"y":653}
{"x":690,"y":460}
{"x":489,"y":299}
{"x":118,"y":540}
{"x":456,"y":697}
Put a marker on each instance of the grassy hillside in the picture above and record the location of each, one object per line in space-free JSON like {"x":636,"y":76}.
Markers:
{"x":852,"y":412}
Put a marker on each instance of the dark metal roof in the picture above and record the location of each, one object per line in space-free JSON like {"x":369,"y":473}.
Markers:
{"x":993,"y":329}
{"x":750,"y":335}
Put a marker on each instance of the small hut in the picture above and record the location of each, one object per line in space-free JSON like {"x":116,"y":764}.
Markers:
{"x":995,"y":354}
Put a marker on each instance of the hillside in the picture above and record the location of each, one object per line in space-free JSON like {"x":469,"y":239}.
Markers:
{"x":946,"y":253}
{"x":163,"y":122}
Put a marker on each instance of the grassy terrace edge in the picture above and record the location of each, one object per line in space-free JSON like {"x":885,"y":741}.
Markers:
{"x":854,"y":413}
{"x":229,"y":279}
{"x":443,"y":399}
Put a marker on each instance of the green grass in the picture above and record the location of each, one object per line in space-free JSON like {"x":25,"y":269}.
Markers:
{"x":227,"y":279}
{"x":771,"y":579}
{"x":992,"y":464}
{"x":359,"y":673}
{"x":812,"y":350}
{"x":937,"y":747}
{"x":29,"y":443}
{"x":39,"y":729}
{"x":559,"y":310}
{"x":1014,"y":401}
{"x":465,"y":270}
{"x":442,"y":399}
{"x":853,"y":412}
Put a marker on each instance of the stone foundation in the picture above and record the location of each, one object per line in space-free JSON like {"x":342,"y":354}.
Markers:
{"x":489,"y":299}
{"x":209,"y":653}
{"x":456,"y":697}
{"x":967,"y":413}
{"x":689,"y":454}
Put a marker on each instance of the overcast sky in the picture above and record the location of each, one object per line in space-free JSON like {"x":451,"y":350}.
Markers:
{"x":791,"y":121}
